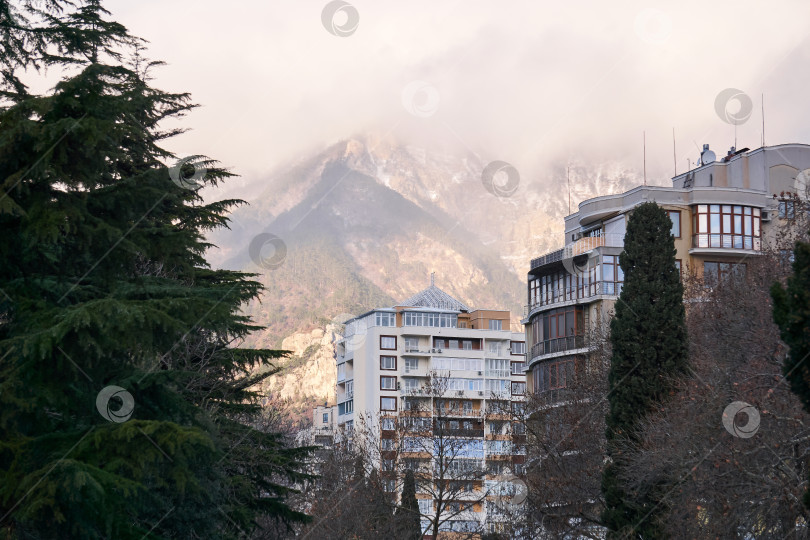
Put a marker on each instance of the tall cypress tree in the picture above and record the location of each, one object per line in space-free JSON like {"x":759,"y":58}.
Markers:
{"x":791,"y":312}
{"x":108,"y":306}
{"x":408,"y":511}
{"x":648,"y":337}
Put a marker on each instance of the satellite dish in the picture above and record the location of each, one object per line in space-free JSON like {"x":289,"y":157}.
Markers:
{"x":707,"y":156}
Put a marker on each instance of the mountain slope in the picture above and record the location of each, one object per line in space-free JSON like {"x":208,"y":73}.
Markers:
{"x":365,"y":222}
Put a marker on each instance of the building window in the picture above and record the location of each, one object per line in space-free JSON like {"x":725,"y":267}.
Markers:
{"x":345,"y":407}
{"x":388,"y":363}
{"x":326,"y":418}
{"x":518,"y":388}
{"x":495,"y":324}
{"x":388,"y":403}
{"x":466,"y":345}
{"x":453,"y":344}
{"x":675,"y":217}
{"x":411,"y":364}
{"x":678,"y":266}
{"x":787,"y":209}
{"x":456,"y":364}
{"x":439,"y":343}
{"x":786,"y":256}
{"x":411,"y":344}
{"x":551,"y":378}
{"x":497,"y":386}
{"x":612,"y":275}
{"x":388,"y":343}
{"x":718,"y":272}
{"x":436,"y":320}
{"x":517,"y":368}
{"x":387,"y":424}
{"x":518,"y":347}
{"x":726,"y":226}
{"x":497,"y":367}
{"x":388,"y":383}
{"x":386,"y":319}
{"x":558,"y":330}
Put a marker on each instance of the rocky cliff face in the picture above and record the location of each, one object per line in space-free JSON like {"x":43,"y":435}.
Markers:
{"x":366,"y":221}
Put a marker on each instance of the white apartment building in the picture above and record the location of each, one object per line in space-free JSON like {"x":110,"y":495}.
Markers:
{"x":385,"y":361}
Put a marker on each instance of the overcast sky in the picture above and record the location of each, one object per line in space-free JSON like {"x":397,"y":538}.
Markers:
{"x":528,"y":82}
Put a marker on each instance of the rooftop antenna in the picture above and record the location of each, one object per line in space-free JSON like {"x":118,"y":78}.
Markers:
{"x":674,"y":156}
{"x":568,"y":174}
{"x":645,"y":157}
{"x":432,"y":279}
{"x":735,"y":133}
{"x":763,"y":118}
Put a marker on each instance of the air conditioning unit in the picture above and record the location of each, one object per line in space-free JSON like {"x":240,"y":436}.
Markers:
{"x":440,"y":350}
{"x":461,"y":392}
{"x":433,"y":350}
{"x":767,"y":215}
{"x":480,"y":373}
{"x":399,"y":386}
{"x":480,"y":393}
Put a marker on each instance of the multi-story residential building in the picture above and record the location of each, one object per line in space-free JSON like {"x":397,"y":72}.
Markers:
{"x":388,"y":365}
{"x":722,"y":212}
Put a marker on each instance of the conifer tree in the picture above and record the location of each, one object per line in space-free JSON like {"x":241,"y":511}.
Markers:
{"x":648,"y":337}
{"x":408,"y":510}
{"x":791,"y":312}
{"x":127,"y":409}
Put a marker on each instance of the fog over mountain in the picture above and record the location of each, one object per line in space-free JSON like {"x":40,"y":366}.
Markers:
{"x":534,"y":83}
{"x":363,"y":223}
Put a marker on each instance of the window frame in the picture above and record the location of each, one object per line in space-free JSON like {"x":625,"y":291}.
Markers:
{"x":388,"y":377}
{"x":680,"y":227}
{"x":523,"y":393}
{"x":382,"y":398}
{"x":385,"y":368}
{"x":388,"y":348}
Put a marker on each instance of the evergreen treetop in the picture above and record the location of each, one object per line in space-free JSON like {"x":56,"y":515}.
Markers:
{"x":103,"y":283}
{"x":649,"y":349}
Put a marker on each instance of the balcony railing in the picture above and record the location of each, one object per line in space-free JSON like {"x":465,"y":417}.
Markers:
{"x":416,"y":350}
{"x":464,"y":413}
{"x":726,"y":241}
{"x":578,"y":247}
{"x":557,"y":345}
{"x":569,"y":294}
{"x":549,"y":258}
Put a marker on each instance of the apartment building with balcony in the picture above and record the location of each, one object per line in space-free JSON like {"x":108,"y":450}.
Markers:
{"x":722,"y":212}
{"x":387,"y":360}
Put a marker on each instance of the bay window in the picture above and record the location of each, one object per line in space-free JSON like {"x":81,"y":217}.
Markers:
{"x":726,"y":226}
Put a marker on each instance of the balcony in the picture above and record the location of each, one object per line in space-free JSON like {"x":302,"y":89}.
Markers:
{"x":579,"y":247}
{"x":457,"y":412}
{"x":416,"y":351}
{"x":557,"y":345}
{"x":554,"y":256}
{"x":720,"y":243}
{"x":562,"y":295}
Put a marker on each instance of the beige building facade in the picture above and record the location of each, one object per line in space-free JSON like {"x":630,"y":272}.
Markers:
{"x":722,"y":212}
